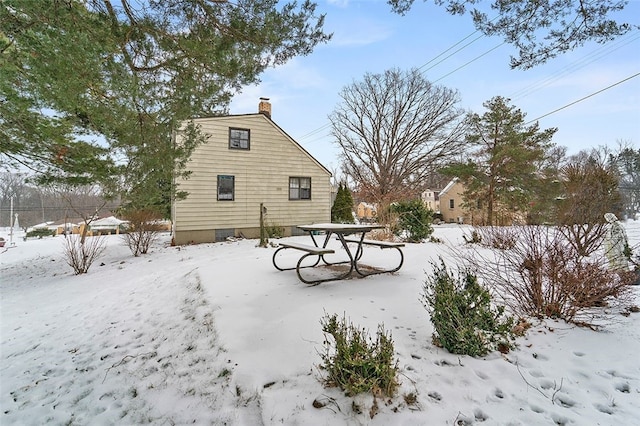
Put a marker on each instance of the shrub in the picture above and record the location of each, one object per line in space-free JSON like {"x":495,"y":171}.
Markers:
{"x":414,"y":220}
{"x":342,"y":209}
{"x":499,"y":237}
{"x":355,"y":362}
{"x":142,"y":231}
{"x":274,"y":231}
{"x":474,"y":238}
{"x":544,"y":274}
{"x":41,"y":232}
{"x":461,"y":312}
{"x":80,"y":253}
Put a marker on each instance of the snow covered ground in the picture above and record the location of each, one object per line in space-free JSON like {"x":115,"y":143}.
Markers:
{"x":214,"y":334}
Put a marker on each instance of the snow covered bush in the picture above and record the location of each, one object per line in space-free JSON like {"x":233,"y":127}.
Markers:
{"x":355,"y":362}
{"x":462,"y":314}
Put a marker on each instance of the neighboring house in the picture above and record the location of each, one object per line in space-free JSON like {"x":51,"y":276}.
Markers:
{"x":108,"y":225}
{"x":248,"y":161}
{"x":450,"y":203}
{"x":431,"y":200}
{"x":366,"y":212}
{"x":68,"y":226}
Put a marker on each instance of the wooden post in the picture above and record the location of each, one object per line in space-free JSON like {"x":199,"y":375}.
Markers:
{"x":263,"y":231}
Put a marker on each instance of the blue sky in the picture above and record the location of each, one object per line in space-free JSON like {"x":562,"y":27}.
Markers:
{"x":368,"y":37}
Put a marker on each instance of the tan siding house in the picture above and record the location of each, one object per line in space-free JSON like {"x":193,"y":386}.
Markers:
{"x":366,"y":212}
{"x":248,"y":160}
{"x":450,"y":201}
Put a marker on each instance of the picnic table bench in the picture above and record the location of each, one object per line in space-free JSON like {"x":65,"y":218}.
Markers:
{"x":341,"y":231}
{"x":310,"y":251}
{"x":382,"y":245}
{"x":305,"y":247}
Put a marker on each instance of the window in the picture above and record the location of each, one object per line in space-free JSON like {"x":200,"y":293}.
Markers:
{"x":239,"y":138}
{"x":226,"y":185}
{"x":451,"y":205}
{"x":299,"y":188}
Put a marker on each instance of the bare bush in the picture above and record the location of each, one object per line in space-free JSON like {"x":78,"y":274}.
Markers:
{"x":541,"y":273}
{"x":81,"y":252}
{"x":142,"y":232}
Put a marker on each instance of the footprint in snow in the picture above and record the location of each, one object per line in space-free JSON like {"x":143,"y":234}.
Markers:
{"x":564,"y":400}
{"x":435,"y":396}
{"x":536,"y":409}
{"x":607,"y":409}
{"x":481,"y":375}
{"x":623,"y":387}
{"x":536,"y":373}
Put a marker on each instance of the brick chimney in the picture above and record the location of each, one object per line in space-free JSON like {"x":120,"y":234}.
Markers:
{"x":264,"y":107}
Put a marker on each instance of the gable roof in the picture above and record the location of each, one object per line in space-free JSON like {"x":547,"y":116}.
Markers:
{"x":450,"y":185}
{"x":274,"y":124}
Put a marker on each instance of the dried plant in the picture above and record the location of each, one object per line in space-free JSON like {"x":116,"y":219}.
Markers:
{"x":80,"y":253}
{"x":541,"y":273}
{"x":142,"y":231}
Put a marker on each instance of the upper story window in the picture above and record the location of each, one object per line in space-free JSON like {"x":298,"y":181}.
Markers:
{"x":451,"y":203}
{"x":239,"y":138}
{"x":226,"y":187}
{"x":299,"y":188}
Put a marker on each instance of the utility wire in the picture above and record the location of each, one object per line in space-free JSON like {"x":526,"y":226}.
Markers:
{"x":469,"y":62}
{"x":450,"y":55}
{"x":588,"y":59}
{"x":313,"y":132}
{"x":582,"y":99}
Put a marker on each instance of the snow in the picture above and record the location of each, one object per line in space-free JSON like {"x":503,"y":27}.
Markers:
{"x":214,"y":334}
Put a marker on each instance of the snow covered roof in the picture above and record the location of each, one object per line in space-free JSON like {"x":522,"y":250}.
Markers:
{"x":108,"y":221}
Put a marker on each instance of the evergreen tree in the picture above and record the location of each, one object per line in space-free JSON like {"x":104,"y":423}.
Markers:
{"x":498,"y":178}
{"x":342,"y":209}
{"x":539,"y":30}
{"x":92,"y":91}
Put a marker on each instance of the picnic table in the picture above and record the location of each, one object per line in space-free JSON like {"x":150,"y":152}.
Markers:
{"x":346,"y":234}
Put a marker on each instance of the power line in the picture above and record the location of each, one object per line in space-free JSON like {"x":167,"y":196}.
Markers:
{"x":313,"y":132}
{"x":448,"y":56}
{"x":588,"y":59}
{"x":582,"y":99}
{"x":467,"y":63}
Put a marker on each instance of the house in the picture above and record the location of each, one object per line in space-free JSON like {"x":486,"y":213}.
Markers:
{"x":68,"y":226}
{"x":431,"y":199}
{"x":366,"y":212}
{"x":450,"y":202}
{"x":108,"y":225}
{"x":247,"y":162}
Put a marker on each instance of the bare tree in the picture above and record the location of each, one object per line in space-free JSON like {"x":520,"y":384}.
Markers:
{"x":590,"y":189}
{"x":395,"y":129}
{"x":626,"y":159}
